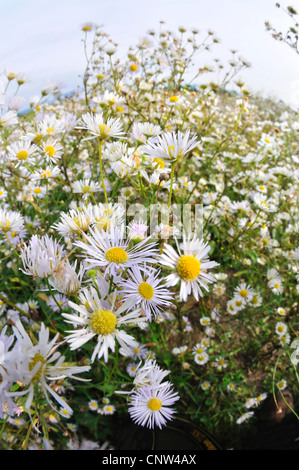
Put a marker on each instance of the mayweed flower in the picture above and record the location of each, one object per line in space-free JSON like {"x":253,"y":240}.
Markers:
{"x":37,"y":363}
{"x":100,"y":319}
{"x":52,"y":150}
{"x":145,"y":289}
{"x":109,"y":249}
{"x":95,"y":125}
{"x":41,"y":256}
{"x":12,"y":226}
{"x":191,"y":266}
{"x":150,"y":402}
{"x":150,"y":406}
{"x":244,"y":417}
{"x":171,"y":146}
{"x":22,"y":151}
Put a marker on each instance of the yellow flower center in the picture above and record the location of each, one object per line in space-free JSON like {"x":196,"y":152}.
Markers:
{"x":276,"y":285}
{"x":37,"y":190}
{"x":50,"y":150}
{"x":188,"y":267}
{"x":103,"y":130}
{"x":85,"y":189}
{"x":154,"y":404}
{"x":173,"y":99}
{"x":50,"y":130}
{"x":145,"y":290}
{"x":265,"y":241}
{"x":254,"y":299}
{"x":280,"y":328}
{"x":45,"y":173}
{"x":5,"y":226}
{"x":103,"y":322}
{"x":103,"y":223}
{"x":267,"y":140}
{"x":22,"y":155}
{"x":133,"y":68}
{"x":199,"y":350}
{"x":81,"y":223}
{"x":37,"y":358}
{"x":116,"y":255}
{"x":243,"y":293}
{"x":159,"y":163}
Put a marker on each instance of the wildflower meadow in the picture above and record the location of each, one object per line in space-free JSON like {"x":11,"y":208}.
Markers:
{"x":149,"y":248}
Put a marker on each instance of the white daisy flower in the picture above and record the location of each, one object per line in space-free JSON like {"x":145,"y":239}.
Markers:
{"x":99,"y":319}
{"x":151,"y":407}
{"x":86,"y":187}
{"x":109,"y":249}
{"x":41,"y":256}
{"x":244,"y":292}
{"x":190,"y":267}
{"x":46,"y":173}
{"x":245,"y":417}
{"x":282,"y":384}
{"x":93,"y":405}
{"x":52,"y":149}
{"x":276,"y":285}
{"x":22,"y":151}
{"x":12,"y":226}
{"x":145,"y":289}
{"x":171,"y":146}
{"x":281,"y":328}
{"x":37,"y":363}
{"x":201,"y":358}
{"x":73,"y":223}
{"x":94,"y":123}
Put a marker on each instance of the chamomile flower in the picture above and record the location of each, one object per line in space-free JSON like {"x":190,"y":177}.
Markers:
{"x":220,"y":363}
{"x":52,"y":149}
{"x":201,"y":358}
{"x":171,"y":146}
{"x":86,"y":187}
{"x":281,"y":328}
{"x":39,"y":362}
{"x":109,"y":250}
{"x":41,"y":256}
{"x":244,"y":417}
{"x":146,"y":290}
{"x":132,"y":368}
{"x":276,"y":285}
{"x":100,"y":320}
{"x":108,"y":410}
{"x":12,"y":226}
{"x":205,"y":385}
{"x":93,"y":405}
{"x":46,"y":173}
{"x":244,"y":292}
{"x":191,"y":266}
{"x":150,"y":406}
{"x":282,"y":384}
{"x":22,"y":151}
{"x":95,"y":125}
{"x":73,"y":223}
{"x":281,"y":311}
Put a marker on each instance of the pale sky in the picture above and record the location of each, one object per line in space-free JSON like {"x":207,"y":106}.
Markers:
{"x":43,"y":39}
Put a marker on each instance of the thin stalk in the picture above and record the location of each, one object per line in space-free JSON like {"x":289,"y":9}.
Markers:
{"x":101,"y":171}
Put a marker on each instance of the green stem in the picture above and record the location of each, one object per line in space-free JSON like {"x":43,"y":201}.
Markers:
{"x":101,"y":171}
